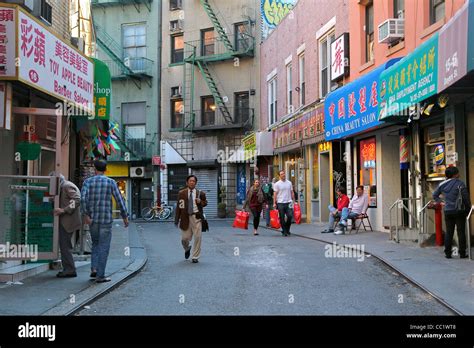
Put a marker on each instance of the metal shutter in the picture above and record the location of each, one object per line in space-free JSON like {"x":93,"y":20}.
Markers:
{"x":207,"y":182}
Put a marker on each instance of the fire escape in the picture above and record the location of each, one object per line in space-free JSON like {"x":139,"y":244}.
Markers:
{"x":202,"y":54}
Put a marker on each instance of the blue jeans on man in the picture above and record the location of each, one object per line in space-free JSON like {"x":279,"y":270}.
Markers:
{"x":333,"y":215}
{"x":101,"y":236}
{"x":345,"y":215}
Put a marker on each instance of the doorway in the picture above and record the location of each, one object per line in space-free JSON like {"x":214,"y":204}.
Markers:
{"x":324,"y":185}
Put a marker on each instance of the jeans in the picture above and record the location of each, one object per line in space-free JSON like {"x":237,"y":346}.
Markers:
{"x":101,"y":236}
{"x":345,"y":215}
{"x":452,"y":220}
{"x":332,"y":218}
{"x":284,"y":209}
{"x":256,"y":218}
{"x":267,"y":216}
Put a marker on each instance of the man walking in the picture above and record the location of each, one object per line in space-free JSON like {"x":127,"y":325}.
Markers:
{"x":357,"y":207}
{"x":189,"y":215}
{"x":96,"y":206}
{"x":69,"y":222}
{"x":282,"y":197}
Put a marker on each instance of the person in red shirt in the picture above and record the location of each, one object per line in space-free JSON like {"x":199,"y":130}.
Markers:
{"x":342,"y":202}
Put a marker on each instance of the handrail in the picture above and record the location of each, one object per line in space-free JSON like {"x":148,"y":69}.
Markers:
{"x":396,"y":203}
{"x":468,"y":229}
{"x":422,"y":216}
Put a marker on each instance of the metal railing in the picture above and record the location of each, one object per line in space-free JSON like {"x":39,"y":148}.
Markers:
{"x":139,"y":66}
{"x":209,"y":120}
{"x":400,"y":204}
{"x":468,"y":229}
{"x":422,"y":217}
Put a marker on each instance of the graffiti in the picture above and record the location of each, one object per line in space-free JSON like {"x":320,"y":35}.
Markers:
{"x":338,"y":179}
{"x":273,"y":12}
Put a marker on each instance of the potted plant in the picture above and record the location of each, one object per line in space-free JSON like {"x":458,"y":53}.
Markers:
{"x":222,"y":206}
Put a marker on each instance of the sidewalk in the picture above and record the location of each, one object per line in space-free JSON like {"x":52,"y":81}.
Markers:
{"x":449,"y":280}
{"x":45,"y":294}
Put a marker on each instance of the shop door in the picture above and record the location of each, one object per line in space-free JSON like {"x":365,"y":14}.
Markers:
{"x":324,"y":185}
{"x":207,"y":182}
{"x":241,"y":184}
{"x":146,"y":194}
{"x":177,"y":175}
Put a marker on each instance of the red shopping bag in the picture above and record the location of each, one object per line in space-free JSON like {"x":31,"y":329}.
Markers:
{"x":297,"y":213}
{"x":241,"y":220}
{"x":275,"y":219}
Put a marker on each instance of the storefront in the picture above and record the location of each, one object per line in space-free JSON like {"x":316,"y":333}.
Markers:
{"x":370,"y":150}
{"x":35,"y":97}
{"x":433,"y":103}
{"x":296,"y":144}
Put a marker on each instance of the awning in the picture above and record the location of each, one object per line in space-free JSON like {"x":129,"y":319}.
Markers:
{"x":431,"y":68}
{"x":353,"y":109}
{"x":170,"y":155}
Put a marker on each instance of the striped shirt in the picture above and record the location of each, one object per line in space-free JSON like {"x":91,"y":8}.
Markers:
{"x":96,"y":199}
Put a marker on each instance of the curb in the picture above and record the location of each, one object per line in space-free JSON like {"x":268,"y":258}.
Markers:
{"x":388,"y":264}
{"x":90,"y":294}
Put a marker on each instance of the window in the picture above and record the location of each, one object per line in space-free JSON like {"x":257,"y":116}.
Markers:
{"x":176,"y":5}
{"x":324,"y":59}
{"x":208,"y":113}
{"x":369,"y":32}
{"x":134,"y":45}
{"x":437,"y":9}
{"x":176,"y":25}
{"x":177,"y":113}
{"x":207,"y":42}
{"x":177,"y":48}
{"x":368,"y":169}
{"x":272,"y":101}
{"x":398,"y":8}
{"x":135,"y":139}
{"x":46,"y":12}
{"x":302,"y":80}
{"x":289,"y":92}
{"x":242,"y":37}
{"x":242,"y":107}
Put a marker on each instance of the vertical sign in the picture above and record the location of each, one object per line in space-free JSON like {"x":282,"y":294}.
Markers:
{"x":5,"y":105}
{"x":449,"y":132}
{"x":7,"y":42}
{"x":340,"y":57}
{"x":102,"y":90}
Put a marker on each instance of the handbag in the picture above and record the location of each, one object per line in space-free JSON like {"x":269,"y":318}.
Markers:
{"x":204,"y":223}
{"x":275,"y":219}
{"x":241,"y":220}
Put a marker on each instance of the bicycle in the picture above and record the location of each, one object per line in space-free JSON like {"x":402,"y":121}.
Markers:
{"x":163,"y":212}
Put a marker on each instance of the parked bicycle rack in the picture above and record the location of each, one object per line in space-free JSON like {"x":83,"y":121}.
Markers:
{"x":468,"y":229}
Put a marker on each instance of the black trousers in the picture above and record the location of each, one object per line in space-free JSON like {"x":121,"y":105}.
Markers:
{"x":284,"y":210}
{"x":458,"y":220}
{"x":256,"y":218}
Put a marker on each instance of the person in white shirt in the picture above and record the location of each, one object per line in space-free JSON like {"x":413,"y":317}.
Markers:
{"x":282,"y":197}
{"x":357,"y":208}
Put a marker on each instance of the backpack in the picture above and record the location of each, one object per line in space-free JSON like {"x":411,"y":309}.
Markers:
{"x":266,"y":189}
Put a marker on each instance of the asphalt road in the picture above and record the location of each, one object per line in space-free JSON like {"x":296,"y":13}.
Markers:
{"x":242,"y":274}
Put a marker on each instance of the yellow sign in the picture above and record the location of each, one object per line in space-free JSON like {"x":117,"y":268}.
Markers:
{"x":117,"y":170}
{"x":323,"y":147}
{"x":250,"y":146}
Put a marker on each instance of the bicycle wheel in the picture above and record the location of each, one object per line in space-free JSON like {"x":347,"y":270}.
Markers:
{"x":148,"y":213}
{"x":164,"y":214}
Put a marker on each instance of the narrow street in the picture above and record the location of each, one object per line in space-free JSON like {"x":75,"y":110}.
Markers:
{"x":240,"y":274}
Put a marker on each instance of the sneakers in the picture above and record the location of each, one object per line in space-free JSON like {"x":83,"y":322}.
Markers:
{"x":339,"y":232}
{"x":187,"y":253}
{"x":66,"y":275}
{"x":102,"y":280}
{"x":195,"y":260}
{"x":328,"y":231}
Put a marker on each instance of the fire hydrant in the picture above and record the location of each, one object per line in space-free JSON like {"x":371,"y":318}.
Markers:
{"x":438,"y":222}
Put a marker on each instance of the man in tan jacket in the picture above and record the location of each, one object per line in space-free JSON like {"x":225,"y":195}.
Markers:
{"x":189,"y":215}
{"x":69,"y":221}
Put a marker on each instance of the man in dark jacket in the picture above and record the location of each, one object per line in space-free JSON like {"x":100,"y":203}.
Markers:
{"x":456,"y":208}
{"x":189,"y":215}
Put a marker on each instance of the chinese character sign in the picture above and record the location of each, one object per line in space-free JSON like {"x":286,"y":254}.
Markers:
{"x":411,"y":80}
{"x":352,"y":109}
{"x":7,"y":42}
{"x":54,"y":66}
{"x":102,"y":90}
{"x":340,"y":57}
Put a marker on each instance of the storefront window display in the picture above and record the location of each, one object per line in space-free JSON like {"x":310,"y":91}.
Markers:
{"x":122,"y":186}
{"x":435,"y":159}
{"x":368,"y":169}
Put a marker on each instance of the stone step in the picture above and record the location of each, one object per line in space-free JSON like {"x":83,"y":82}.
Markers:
{"x":17,"y":273}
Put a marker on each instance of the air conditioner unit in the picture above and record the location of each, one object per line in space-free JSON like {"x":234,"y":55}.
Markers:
{"x":177,"y":25}
{"x":137,"y":172}
{"x":177,"y":92}
{"x":391,"y":30}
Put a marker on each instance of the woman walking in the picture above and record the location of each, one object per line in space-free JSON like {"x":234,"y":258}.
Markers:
{"x":254,"y":200}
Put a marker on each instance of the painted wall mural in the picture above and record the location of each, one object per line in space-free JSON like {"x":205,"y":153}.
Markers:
{"x":273,"y":11}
